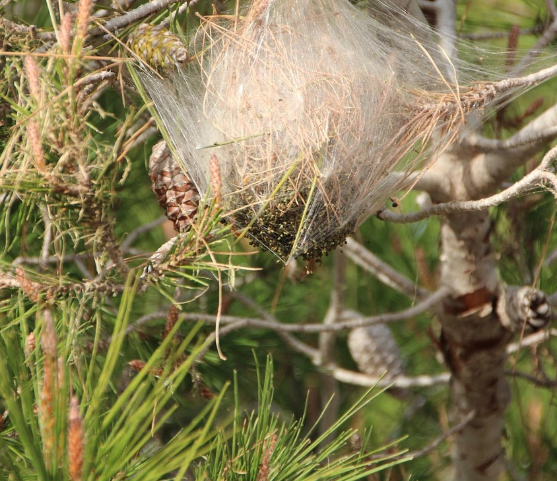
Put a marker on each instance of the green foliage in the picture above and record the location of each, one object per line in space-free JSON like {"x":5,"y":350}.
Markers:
{"x":265,"y":448}
{"x":91,"y":190}
{"x":117,"y":431}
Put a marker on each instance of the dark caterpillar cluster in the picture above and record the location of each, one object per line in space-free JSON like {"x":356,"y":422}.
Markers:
{"x":281,"y":225}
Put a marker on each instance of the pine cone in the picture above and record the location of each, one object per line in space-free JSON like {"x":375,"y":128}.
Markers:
{"x":159,"y":47}
{"x":175,"y":191}
{"x":376,"y":352}
{"x":524,"y":308}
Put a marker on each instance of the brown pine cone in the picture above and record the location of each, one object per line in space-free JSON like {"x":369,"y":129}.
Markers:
{"x":158,"y":46}
{"x":175,"y":191}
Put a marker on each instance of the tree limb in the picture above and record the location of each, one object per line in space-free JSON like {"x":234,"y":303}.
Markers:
{"x":537,"y":178}
{"x":547,"y":36}
{"x":409,"y":313}
{"x":384,"y":272}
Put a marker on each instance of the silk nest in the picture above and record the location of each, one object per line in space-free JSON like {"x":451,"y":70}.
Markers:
{"x":317,"y":111}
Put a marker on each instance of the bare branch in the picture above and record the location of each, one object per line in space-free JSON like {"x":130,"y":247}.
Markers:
{"x":476,"y":97}
{"x":358,"y":379}
{"x":49,"y":260}
{"x":121,"y":21}
{"x":446,"y":24}
{"x":519,"y":139}
{"x":384,"y":272}
{"x":135,"y":15}
{"x":181,"y":9}
{"x":409,"y":313}
{"x":435,"y":443}
{"x":531,"y":340}
{"x":534,"y":179}
{"x":548,"y":35}
{"x":95,"y":77}
{"x":428,"y":4}
{"x":135,"y":325}
{"x":551,"y":8}
{"x":448,"y":433}
{"x":290,"y":340}
{"x":339,"y":373}
{"x":132,"y":236}
{"x":548,"y":383}
{"x":540,"y":130}
{"x":495,"y":35}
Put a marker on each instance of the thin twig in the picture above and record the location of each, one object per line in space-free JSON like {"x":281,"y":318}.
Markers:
{"x":551,"y":8}
{"x":531,"y":340}
{"x":428,"y":4}
{"x":358,"y":379}
{"x":339,"y":373}
{"x":409,"y":313}
{"x":495,"y":35}
{"x":517,"y":140}
{"x":133,"y":16}
{"x":54,"y":259}
{"x":121,"y":21}
{"x":435,"y":443}
{"x":536,"y":178}
{"x":47,"y":260}
{"x":133,"y":235}
{"x":138,"y":139}
{"x":532,"y":379}
{"x":384,"y":272}
{"x":135,"y":325}
{"x":96,"y":77}
{"x":545,"y":39}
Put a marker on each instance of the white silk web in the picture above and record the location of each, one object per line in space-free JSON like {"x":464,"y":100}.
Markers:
{"x":310,"y":106}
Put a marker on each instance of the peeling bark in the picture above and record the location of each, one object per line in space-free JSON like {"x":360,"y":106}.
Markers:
{"x":474,"y":343}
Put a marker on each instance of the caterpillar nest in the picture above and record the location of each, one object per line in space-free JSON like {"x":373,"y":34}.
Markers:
{"x":309,"y":106}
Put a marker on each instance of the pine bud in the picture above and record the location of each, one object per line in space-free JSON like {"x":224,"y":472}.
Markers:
{"x":216,"y":180}
{"x":159,"y":47}
{"x":175,"y":191}
{"x":75,"y":441}
{"x":29,"y":344}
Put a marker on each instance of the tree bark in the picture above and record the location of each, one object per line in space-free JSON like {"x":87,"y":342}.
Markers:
{"x":474,"y":344}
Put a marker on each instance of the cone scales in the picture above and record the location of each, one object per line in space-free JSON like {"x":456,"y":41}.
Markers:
{"x":175,"y":191}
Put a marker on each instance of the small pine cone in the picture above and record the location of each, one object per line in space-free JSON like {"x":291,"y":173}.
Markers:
{"x":524,"y":308}
{"x":376,"y":352}
{"x":159,"y":47}
{"x":175,"y":191}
